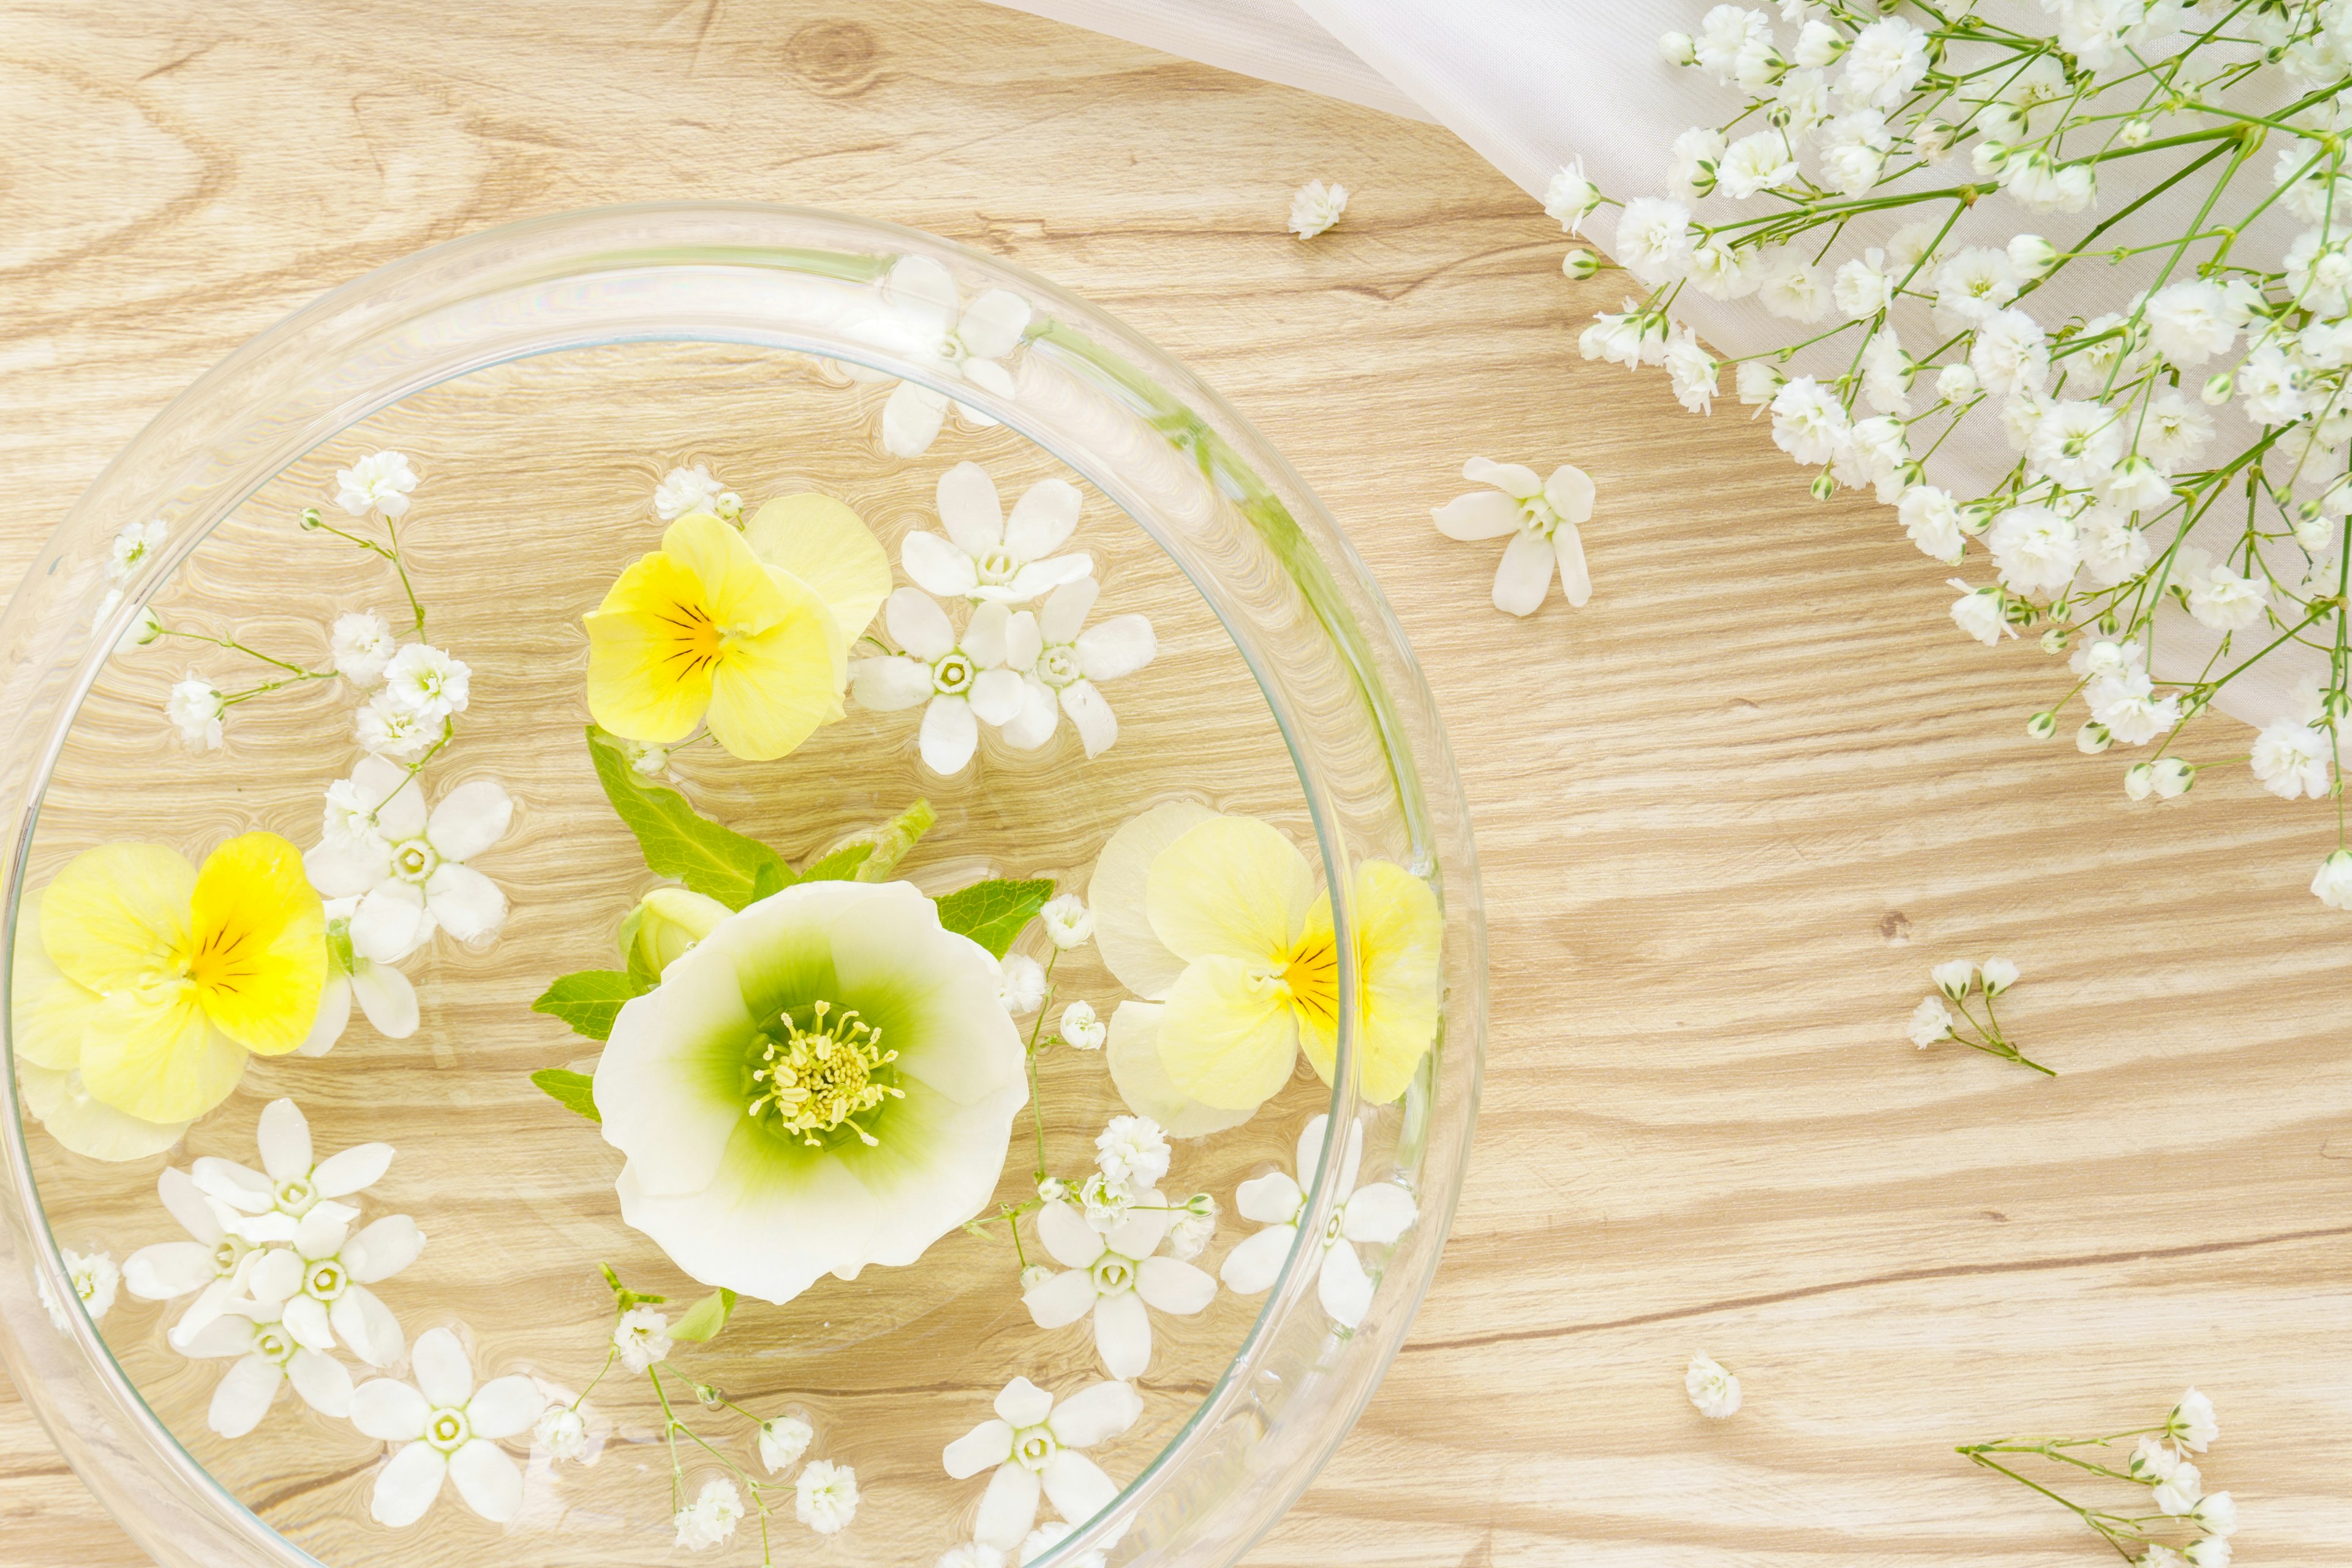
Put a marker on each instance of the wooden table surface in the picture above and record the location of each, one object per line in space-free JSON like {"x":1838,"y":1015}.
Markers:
{"x":1730,"y":812}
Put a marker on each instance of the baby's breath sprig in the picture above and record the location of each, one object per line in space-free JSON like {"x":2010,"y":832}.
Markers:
{"x":1957,"y":981}
{"x":2157,"y":1533}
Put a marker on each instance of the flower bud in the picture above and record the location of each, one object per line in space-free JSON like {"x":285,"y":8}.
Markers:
{"x":1931,"y":139}
{"x":1954,"y":976}
{"x":1824,"y":486}
{"x":1580,"y":264}
{"x":2054,"y":641}
{"x":2033,"y":254}
{"x":2173,"y":778}
{"x":1956,"y":383}
{"x":2043,"y":725}
{"x":1200,"y":1204}
{"x":2336,"y":703}
{"x":1677,"y":48}
{"x":311,"y":520}
{"x":664,"y":924}
{"x":1052,"y":1189}
{"x":146,"y":628}
{"x":2135,"y":133}
{"x":2000,"y":974}
{"x":2139,"y":780}
{"x":2092,"y":738}
{"x":2216,"y":390}
{"x":1976,"y":516}
{"x":2109,"y":623}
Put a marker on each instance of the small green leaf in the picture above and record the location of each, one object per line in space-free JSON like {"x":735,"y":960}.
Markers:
{"x":590,"y":1000}
{"x":705,"y":1318}
{"x":842,"y":866}
{"x":991,"y":913}
{"x":679,"y":841}
{"x":574,"y":1091}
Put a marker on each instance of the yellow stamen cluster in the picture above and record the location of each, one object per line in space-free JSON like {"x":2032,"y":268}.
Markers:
{"x":818,"y":1078}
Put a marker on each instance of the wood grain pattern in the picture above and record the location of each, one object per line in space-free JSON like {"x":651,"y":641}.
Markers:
{"x":1728,"y":814}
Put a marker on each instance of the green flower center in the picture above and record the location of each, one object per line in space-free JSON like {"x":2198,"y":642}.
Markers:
{"x":814,"y":1080}
{"x":952,"y":676}
{"x":415,"y":860}
{"x":325,"y":1279}
{"x":997,"y":565}
{"x":447,"y":1429}
{"x":1538,"y":518}
{"x":274,"y":1343}
{"x":1032,"y":1447}
{"x":1058,"y":666}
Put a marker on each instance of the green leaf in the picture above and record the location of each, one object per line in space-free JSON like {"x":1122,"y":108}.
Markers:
{"x":705,"y":1318}
{"x":992,"y":913}
{"x":840,"y":866}
{"x":678,"y":840}
{"x":893,"y":838}
{"x":572,"y":1090}
{"x":590,"y":999}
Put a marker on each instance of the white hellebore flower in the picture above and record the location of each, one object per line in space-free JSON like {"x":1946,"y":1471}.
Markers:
{"x":362,"y":644}
{"x":452,"y":1430}
{"x":824,"y":1497}
{"x":377,"y":483}
{"x":1713,"y":1390}
{"x":194,"y":708}
{"x":320,"y":1285}
{"x":1033,"y":1442}
{"x":1116,"y":1277}
{"x":407,"y":869}
{"x":1316,"y":206}
{"x":1375,"y":1214}
{"x":711,"y":1519}
{"x":987,"y":555}
{"x":962,"y":678}
{"x":1541,"y":515}
{"x":923,"y":318}
{"x":269,"y":1358}
{"x":1059,"y":664}
{"x":782,"y":1442}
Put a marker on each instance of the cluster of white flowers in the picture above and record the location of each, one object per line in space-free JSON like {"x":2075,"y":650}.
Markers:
{"x":1858,"y":119}
{"x":1315,"y":208}
{"x":1020,"y":670}
{"x":1957,"y":980}
{"x":2160,"y":1462}
{"x":1372,"y":1215}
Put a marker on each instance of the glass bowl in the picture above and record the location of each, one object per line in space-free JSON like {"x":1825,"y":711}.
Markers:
{"x":557,"y":391}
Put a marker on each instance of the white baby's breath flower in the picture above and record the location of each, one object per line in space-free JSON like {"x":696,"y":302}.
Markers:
{"x":1571,"y":197}
{"x":1316,"y":206}
{"x":2187,"y":321}
{"x":133,"y":543}
{"x":1888,"y":373}
{"x":1069,"y":923}
{"x":1081,"y":1027}
{"x":2217,"y":1511}
{"x":1979,"y":611}
{"x":195,"y":706}
{"x":1021,"y":983}
{"x":1930,"y":1021}
{"x":684,"y":490}
{"x":94,"y":1276}
{"x":561,"y":1431}
{"x":1761,"y":161}
{"x":1853,"y":153}
{"x":1863,"y":287}
{"x":1653,"y":239}
{"x":377,"y":483}
{"x":1931,"y":520}
{"x":2191,"y":1422}
{"x":1954,"y":977}
{"x":1808,"y":421}
{"x":2000,"y":974}
{"x":362,"y":644}
{"x":2332,"y":883}
{"x":1714,"y":1391}
{"x":1194,"y":1228}
{"x":1756,"y":382}
{"x":1972,"y":285}
{"x":1692,"y":371}
{"x":711,"y":1519}
{"x":426,"y":681}
{"x":2011,"y":355}
{"x":1132,"y":1152}
{"x":824,"y":1497}
{"x":1887,"y":58}
{"x":1690,"y":174}
{"x":782,"y":1441}
{"x":389,"y":728}
{"x":2292,"y":760}
{"x":2214,"y":1551}
{"x":2177,"y":1492}
{"x":1793,"y":289}
{"x":642,"y":1337}
{"x":2226,"y":599}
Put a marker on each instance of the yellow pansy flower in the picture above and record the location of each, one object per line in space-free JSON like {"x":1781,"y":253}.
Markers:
{"x":1217,"y":920}
{"x":747,"y":632}
{"x":142,"y":984}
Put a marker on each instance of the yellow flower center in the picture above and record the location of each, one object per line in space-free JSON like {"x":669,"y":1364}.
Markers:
{"x":1311,"y":975}
{"x":816,"y":1081}
{"x":696,"y":643}
{"x":221,"y":961}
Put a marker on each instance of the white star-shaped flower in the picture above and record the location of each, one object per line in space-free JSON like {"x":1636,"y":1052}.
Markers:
{"x":923,"y":317}
{"x":451,"y":1429}
{"x":1033,"y":1442}
{"x":986,"y":555}
{"x":1373,"y":1215}
{"x":1116,"y":1277}
{"x":269,"y":1358}
{"x":962,"y":678}
{"x":319,"y":1286}
{"x":407,"y":869}
{"x":1059,"y":664}
{"x":1541,"y":516}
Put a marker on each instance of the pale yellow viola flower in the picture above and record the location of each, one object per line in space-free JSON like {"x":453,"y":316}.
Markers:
{"x":150,"y":982}
{"x":1215,"y":921}
{"x":747,"y":632}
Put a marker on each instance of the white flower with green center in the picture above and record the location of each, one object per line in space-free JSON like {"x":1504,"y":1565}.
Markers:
{"x":406,"y":867}
{"x":892,"y":1129}
{"x":924,"y":317}
{"x":320,"y":1285}
{"x":452,"y":1430}
{"x":1033,"y":1442}
{"x":269,"y":1358}
{"x":986,"y":557}
{"x":1541,"y":514}
{"x":962,"y":678}
{"x":1115,"y":1276}
{"x":1060,"y":663}
{"x":1375,"y":1214}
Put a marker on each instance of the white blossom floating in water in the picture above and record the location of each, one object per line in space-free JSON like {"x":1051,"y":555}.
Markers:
{"x":1060,"y":661}
{"x":693,"y":489}
{"x":1034,"y":1443}
{"x":408,"y":868}
{"x":1117,"y":1279}
{"x":983,"y":554}
{"x":711,"y":1519}
{"x":379,"y":483}
{"x":451,"y":1429}
{"x":824,"y":1497}
{"x":1375,"y":1214}
{"x":961,"y":677}
{"x":923,"y":317}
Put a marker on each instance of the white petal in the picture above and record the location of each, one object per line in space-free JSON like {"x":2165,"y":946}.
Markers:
{"x":322,"y":1232}
{"x":1511,"y":478}
{"x":444,"y":1374}
{"x":489,"y":1481}
{"x":186,"y":1203}
{"x":285,"y":1139}
{"x":1043,"y":576}
{"x":1060,"y":1300}
{"x":911,"y":417}
{"x":937,"y":565}
{"x":1007,"y":1508}
{"x":368,"y":1326}
{"x":273,"y":1276}
{"x":1168,"y":1285}
{"x":1252,"y":1268}
{"x":1574,"y":579}
{"x":989,"y":1443}
{"x":385,"y":1248}
{"x":1345,"y":1288}
{"x":334,"y":1012}
{"x":346,"y":868}
{"x":918,"y":625}
{"x":400,"y":799}
{"x":924,"y":296}
{"x":1379,"y":1212}
{"x":1074,"y":1243}
{"x":406,"y":1486}
{"x":969,"y":509}
{"x":168,"y":1270}
{"x":1132,"y":1054}
{"x":1023,"y":641}
{"x":996,"y":696}
{"x":1137,"y":1235}
{"x":865,"y":372}
{"x":1569,"y":491}
{"x":390,"y":922}
{"x":1097,"y":725}
{"x":1077,"y":1486}
{"x":1065,"y":610}
{"x":324,"y":1382}
{"x":244,"y":1397}
{"x":305,"y":1319}
{"x":388,"y":1409}
{"x":354,"y":1169}
{"x":1022,"y":1404}
{"x":1525,"y":575}
{"x":223,"y":1336}
{"x":985,"y":635}
{"x":1271,"y":1199}
{"x":505,"y":1406}
{"x":232,"y":1184}
{"x":1123,"y":1335}
{"x":466,"y":904}
{"x":1039,"y":717}
{"x":1120,"y":646}
{"x":470,"y":820}
{"x":887,"y":685}
{"x":386,"y":997}
{"x":1045,"y":515}
{"x":1481,"y":514}
{"x":948,"y":736}
{"x":1095,"y":1413}
{"x":992,"y":324}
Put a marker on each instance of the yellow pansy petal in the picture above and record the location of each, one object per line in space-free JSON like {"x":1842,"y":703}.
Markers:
{"x":1233,"y":887}
{"x":117,"y":914}
{"x":1228,"y":1037}
{"x":1132,"y":1055}
{"x":829,"y":548}
{"x":49,"y":1010}
{"x":1116,"y":891}
{"x":770,"y":692}
{"x":256,"y":945}
{"x":1400,"y":930}
{"x":738,"y":591}
{"x":64,"y":1105}
{"x":152,"y":1054}
{"x":651,"y":648}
